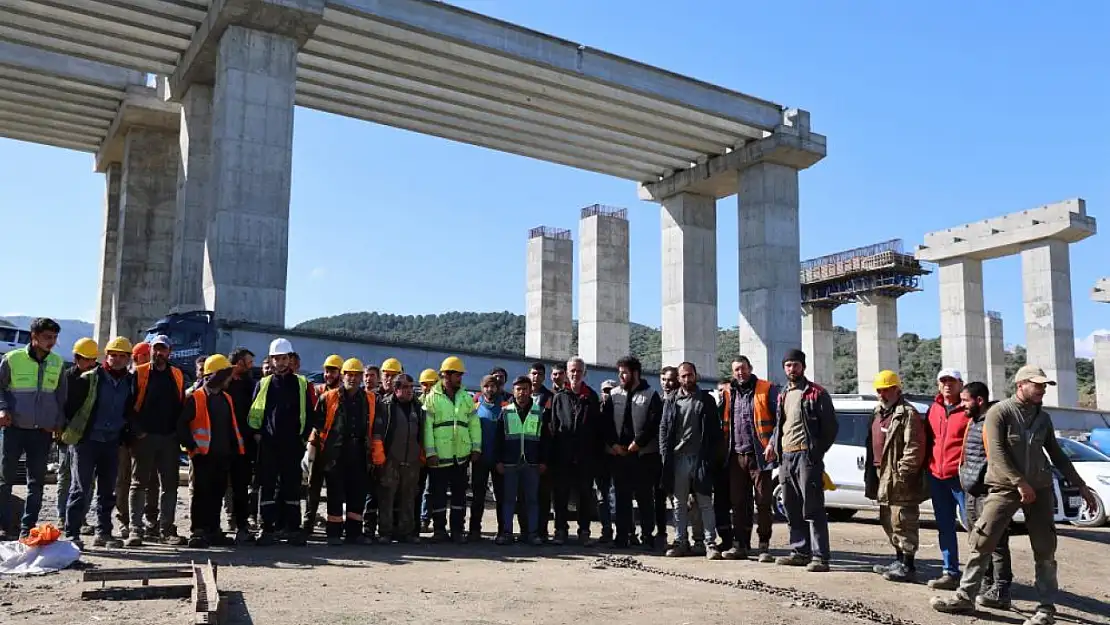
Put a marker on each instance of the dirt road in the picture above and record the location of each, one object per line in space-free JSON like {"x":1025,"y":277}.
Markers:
{"x":482,"y":583}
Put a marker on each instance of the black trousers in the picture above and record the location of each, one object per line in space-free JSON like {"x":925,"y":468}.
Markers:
{"x":347,"y":486}
{"x":442,"y":479}
{"x":370,"y":504}
{"x":242,"y":473}
{"x":575,"y":480}
{"x":722,"y":506}
{"x":210,"y":476}
{"x":312,"y":500}
{"x":279,"y":484}
{"x":635,"y":477}
{"x":480,"y":474}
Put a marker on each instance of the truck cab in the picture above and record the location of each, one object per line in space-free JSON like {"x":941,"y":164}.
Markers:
{"x":192,"y":334}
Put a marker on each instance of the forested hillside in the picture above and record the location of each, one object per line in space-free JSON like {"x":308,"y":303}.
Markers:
{"x":504,"y":332}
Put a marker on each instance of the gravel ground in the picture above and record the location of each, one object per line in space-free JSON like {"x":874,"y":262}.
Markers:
{"x":482,"y":583}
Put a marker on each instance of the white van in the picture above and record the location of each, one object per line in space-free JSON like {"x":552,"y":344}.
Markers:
{"x":12,"y":338}
{"x":846,"y":459}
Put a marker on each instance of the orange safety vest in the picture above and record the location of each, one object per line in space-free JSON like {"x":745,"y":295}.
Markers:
{"x":142,"y":377}
{"x":201,"y":425}
{"x":763,"y":416}
{"x":331,"y":405}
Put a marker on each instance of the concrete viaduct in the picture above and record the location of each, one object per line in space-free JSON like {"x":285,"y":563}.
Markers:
{"x":188,"y":105}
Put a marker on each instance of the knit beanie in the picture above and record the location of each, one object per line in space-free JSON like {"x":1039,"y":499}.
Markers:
{"x":795,"y":355}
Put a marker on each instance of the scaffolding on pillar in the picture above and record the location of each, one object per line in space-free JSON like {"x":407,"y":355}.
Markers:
{"x":846,"y":277}
{"x":547,"y":232}
{"x":605,"y":211}
{"x":994,"y":315}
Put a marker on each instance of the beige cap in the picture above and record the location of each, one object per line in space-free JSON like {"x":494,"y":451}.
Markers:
{"x":1032,"y":374}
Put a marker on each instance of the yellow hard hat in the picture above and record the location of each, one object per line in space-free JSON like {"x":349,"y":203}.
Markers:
{"x":452,"y":363}
{"x":216,"y":363}
{"x":428,"y":375}
{"x":886,"y":379}
{"x":86,"y":348}
{"x":351,"y":365}
{"x":335,"y":361}
{"x":119,"y":344}
{"x":391,"y":365}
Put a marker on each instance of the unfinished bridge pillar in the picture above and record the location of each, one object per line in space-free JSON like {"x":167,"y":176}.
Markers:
{"x":603,"y":287}
{"x":818,"y":342}
{"x":549,"y":294}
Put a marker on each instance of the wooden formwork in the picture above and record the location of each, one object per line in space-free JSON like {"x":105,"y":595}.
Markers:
{"x":208,"y":607}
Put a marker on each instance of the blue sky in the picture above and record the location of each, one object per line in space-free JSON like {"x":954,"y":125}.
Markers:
{"x":937,"y":113}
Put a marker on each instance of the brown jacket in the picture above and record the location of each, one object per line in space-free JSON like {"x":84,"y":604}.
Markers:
{"x":899,"y":478}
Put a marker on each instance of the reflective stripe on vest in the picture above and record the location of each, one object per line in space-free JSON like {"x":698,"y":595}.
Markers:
{"x":142,"y":378}
{"x":258,"y":406}
{"x":527,"y":429}
{"x":26,"y":371}
{"x":201,"y":425}
{"x":75,"y":431}
{"x":763,"y":418}
{"x":331,"y":406}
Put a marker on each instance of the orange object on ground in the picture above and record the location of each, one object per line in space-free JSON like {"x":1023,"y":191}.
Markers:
{"x":42,"y":535}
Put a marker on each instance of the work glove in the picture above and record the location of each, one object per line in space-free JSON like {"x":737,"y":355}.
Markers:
{"x":309,"y":457}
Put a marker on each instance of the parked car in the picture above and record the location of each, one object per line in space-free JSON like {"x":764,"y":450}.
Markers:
{"x":1094,"y":467}
{"x":844,"y":464}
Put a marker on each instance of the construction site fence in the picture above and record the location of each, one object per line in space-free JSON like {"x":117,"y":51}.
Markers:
{"x":858,"y":264}
{"x":547,"y":232}
{"x":606,"y":211}
{"x":893,"y":245}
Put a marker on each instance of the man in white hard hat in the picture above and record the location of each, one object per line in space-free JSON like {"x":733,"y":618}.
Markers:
{"x":279,"y":422}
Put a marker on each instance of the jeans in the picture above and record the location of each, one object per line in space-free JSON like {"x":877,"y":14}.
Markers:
{"x":15,"y":442}
{"x":440,"y":480}
{"x":155,"y":458}
{"x":803,"y":495}
{"x":684,"y":466}
{"x":635,"y":476}
{"x":480,"y":474}
{"x":92,"y":459}
{"x":948,"y":500}
{"x":64,"y":474}
{"x":519,"y":477}
{"x":606,"y":507}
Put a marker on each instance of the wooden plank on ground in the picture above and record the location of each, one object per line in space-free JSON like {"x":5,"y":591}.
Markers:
{"x":180,"y":591}
{"x":137,"y":573}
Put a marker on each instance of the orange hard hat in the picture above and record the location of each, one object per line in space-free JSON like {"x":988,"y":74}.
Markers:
{"x":140,"y":349}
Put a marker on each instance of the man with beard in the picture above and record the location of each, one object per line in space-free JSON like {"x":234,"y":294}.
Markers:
{"x":85,"y":354}
{"x":452,"y":441}
{"x":332,"y":380}
{"x":805,"y":429}
{"x":243,"y":490}
{"x":398,"y":454}
{"x":488,"y":405}
{"x":542,"y":395}
{"x":575,"y":445}
{"x":1021,"y":441}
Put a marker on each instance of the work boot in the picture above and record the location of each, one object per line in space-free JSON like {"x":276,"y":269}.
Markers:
{"x":88,"y":530}
{"x":133,"y":540}
{"x":882,"y":569}
{"x":560,"y":538}
{"x":535,"y":540}
{"x":196,"y":541}
{"x":475,"y":534}
{"x":606,"y":536}
{"x":818,"y":566}
{"x":503,"y":539}
{"x":680,"y":549}
{"x":997,"y":597}
{"x":440,"y":536}
{"x":335,"y":541}
{"x":296,"y":539}
{"x":243,"y":536}
{"x":947,"y":581}
{"x":712,"y":553}
{"x":104,"y":539}
{"x":460,"y":538}
{"x":765,"y":553}
{"x":425,"y":526}
{"x":170,"y":537}
{"x":898,"y":572}
{"x":958,"y":603}
{"x":698,"y":548}
{"x":736,"y":553}
{"x":794,"y":559}
{"x":77,"y":542}
{"x":220,"y":539}
{"x":584,"y":539}
{"x":266,"y":539}
{"x":1042,"y":617}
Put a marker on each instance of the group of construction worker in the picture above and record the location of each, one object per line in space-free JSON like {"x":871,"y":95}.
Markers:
{"x":975,"y":458}
{"x":397,"y":462}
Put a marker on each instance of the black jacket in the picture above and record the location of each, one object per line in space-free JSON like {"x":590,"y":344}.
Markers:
{"x":973,"y":466}
{"x":77,"y":389}
{"x":710,"y":449}
{"x":575,"y":424}
{"x":646,"y":412}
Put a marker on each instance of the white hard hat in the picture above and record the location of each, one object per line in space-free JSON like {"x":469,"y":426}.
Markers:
{"x":280,"y":346}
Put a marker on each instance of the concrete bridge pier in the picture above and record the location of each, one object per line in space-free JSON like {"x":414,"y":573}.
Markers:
{"x":689,"y":252}
{"x":549,"y":324}
{"x":1101,"y":293}
{"x":876,"y":339}
{"x":996,"y":357}
{"x":603,"y":295}
{"x":818,"y":342}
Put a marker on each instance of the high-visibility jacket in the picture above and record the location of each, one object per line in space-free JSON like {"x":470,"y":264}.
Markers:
{"x":763,"y":418}
{"x":33,"y":395}
{"x":333,"y":432}
{"x":258,"y":406}
{"x":521,"y":441}
{"x":75,"y":430}
{"x":201,"y":425}
{"x":142,"y":380}
{"x":451,"y":428}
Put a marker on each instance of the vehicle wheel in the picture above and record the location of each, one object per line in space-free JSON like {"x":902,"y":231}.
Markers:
{"x":840,"y":515}
{"x":1091,"y":518}
{"x":779,"y":508}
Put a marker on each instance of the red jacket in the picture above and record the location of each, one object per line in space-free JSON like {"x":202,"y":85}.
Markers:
{"x":946,"y":439}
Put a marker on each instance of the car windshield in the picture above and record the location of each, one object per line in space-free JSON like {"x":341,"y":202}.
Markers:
{"x":1078,"y":452}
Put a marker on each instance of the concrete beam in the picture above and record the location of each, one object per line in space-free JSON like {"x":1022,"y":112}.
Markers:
{"x":1101,"y":291}
{"x":1049,"y":324}
{"x":818,"y":342}
{"x":1102,"y":371}
{"x":290,"y":19}
{"x":549,"y":296}
{"x":603,"y":286}
{"x":141,"y":107}
{"x":690,"y":282}
{"x":996,"y":357}
{"x":1008,"y":235}
{"x":472,"y":30}
{"x":792,"y":144}
{"x":70,"y":68}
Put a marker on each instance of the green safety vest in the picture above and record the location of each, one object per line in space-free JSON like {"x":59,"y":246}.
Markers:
{"x":76,"y":428}
{"x":29,"y":375}
{"x":258,"y":406}
{"x":526,"y":429}
{"x":451,"y":428}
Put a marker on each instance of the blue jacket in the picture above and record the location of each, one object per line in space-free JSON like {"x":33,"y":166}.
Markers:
{"x":489,"y":415}
{"x":521,"y":447}
{"x":113,"y":400}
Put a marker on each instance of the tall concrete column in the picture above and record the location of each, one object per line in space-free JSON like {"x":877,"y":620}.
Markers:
{"x":1102,"y":371}
{"x":194,"y":198}
{"x":109,"y":256}
{"x":148,"y":210}
{"x":770,"y":282}
{"x":876,"y":339}
{"x":818,"y":342}
{"x":550,"y":291}
{"x":247,"y":244}
{"x":603,"y":298}
{"x":689,"y":224}
{"x":996,"y":357}
{"x":963,"y":342}
{"x":1049,"y":326}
